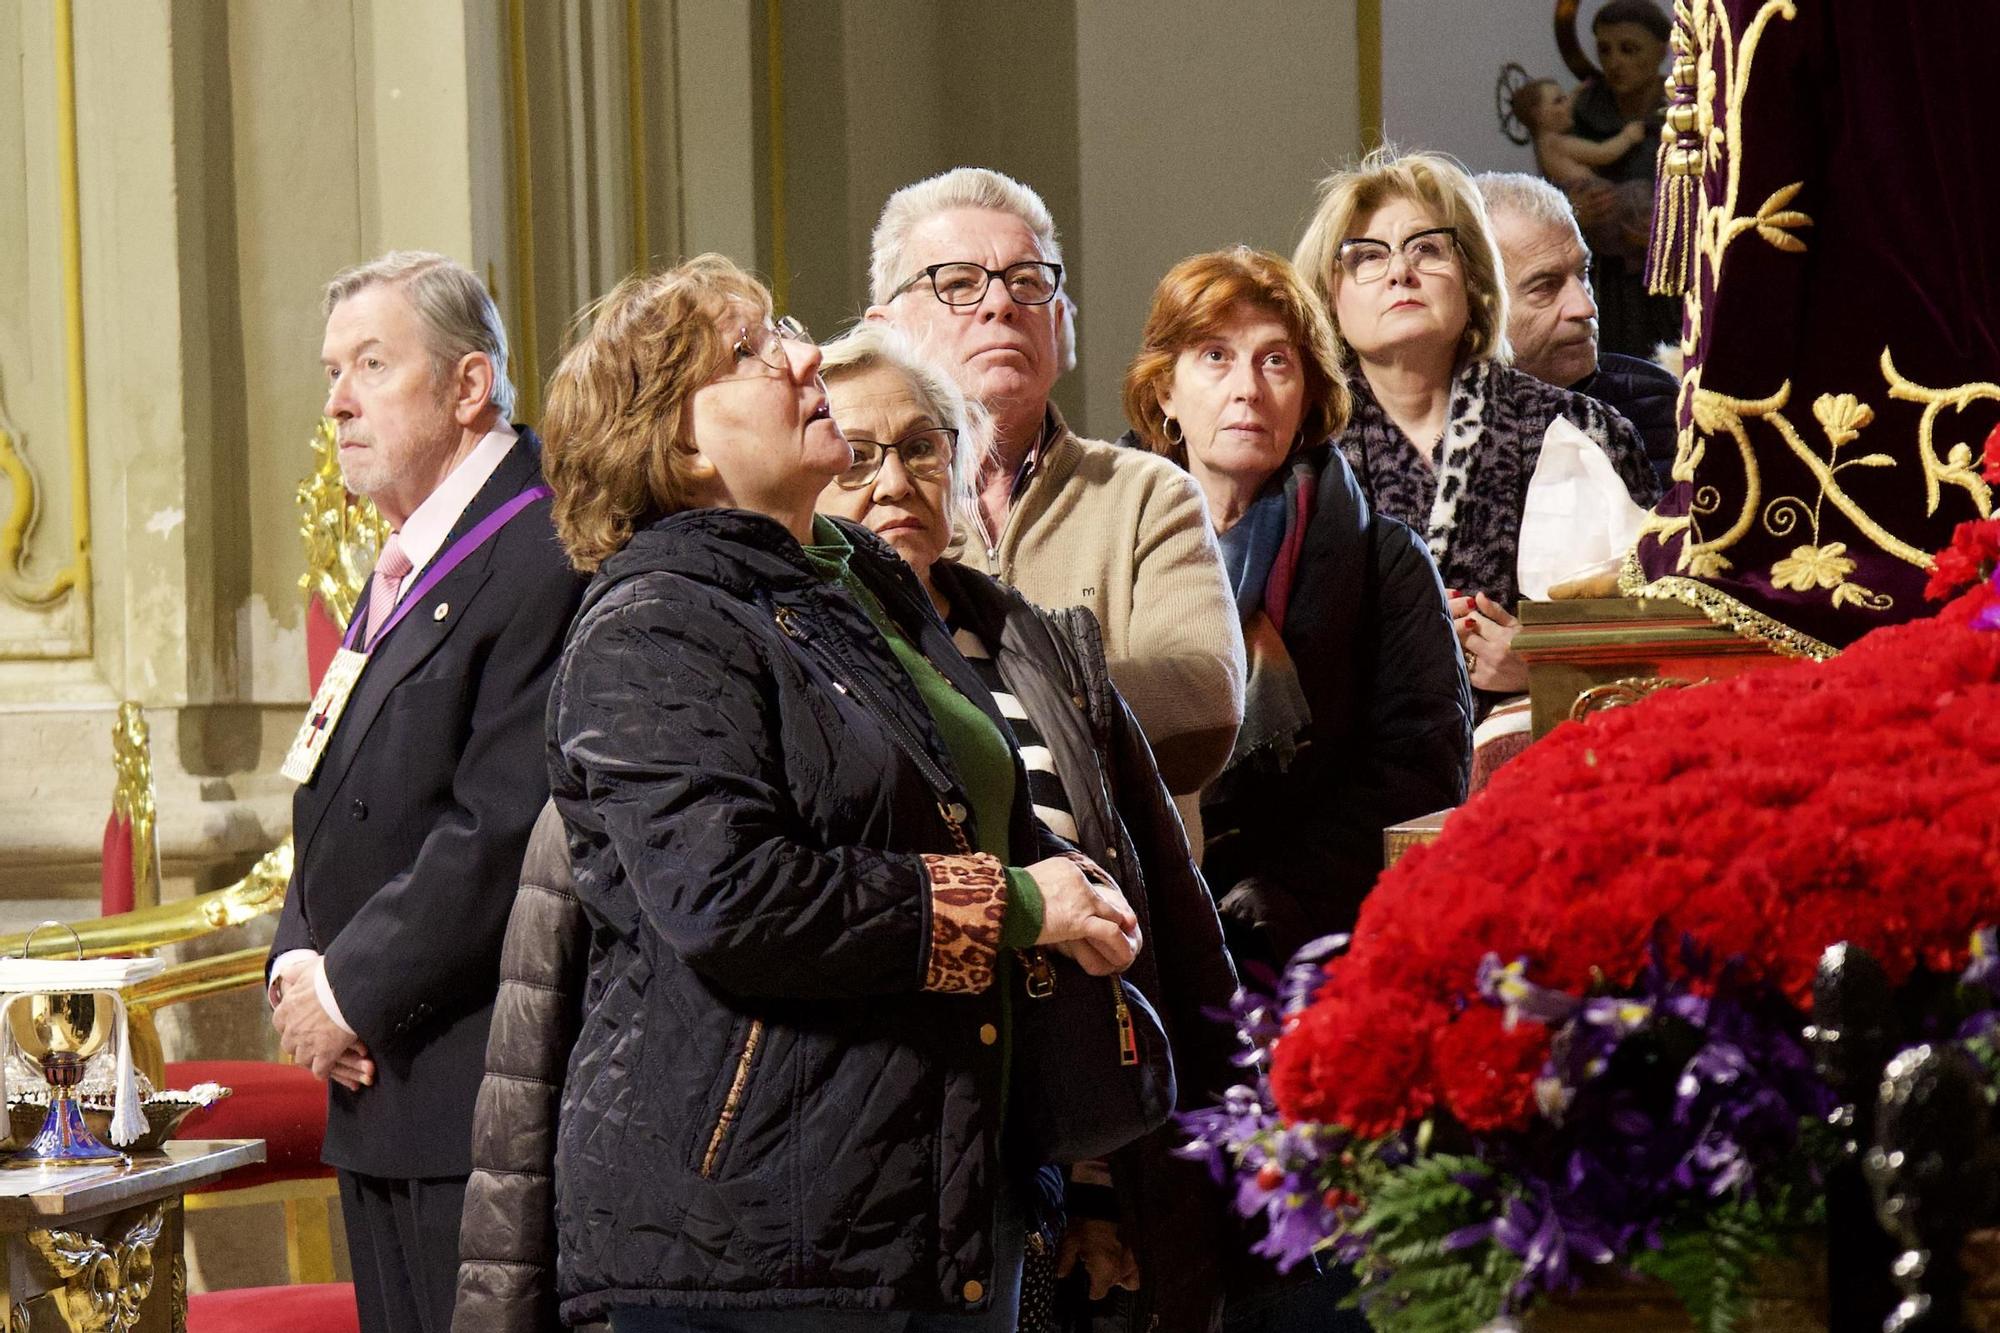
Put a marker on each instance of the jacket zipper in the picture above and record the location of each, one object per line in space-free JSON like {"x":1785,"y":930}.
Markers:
{"x":733,"y":1103}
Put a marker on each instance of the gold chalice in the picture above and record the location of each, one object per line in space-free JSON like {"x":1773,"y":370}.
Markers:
{"x":63,"y":1030}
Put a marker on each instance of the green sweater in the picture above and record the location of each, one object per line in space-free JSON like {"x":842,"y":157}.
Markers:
{"x":979,"y":751}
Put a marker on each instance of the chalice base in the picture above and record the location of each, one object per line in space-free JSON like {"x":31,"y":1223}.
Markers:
{"x":65,"y":1141}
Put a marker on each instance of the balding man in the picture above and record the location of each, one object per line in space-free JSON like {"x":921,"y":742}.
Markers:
{"x":1552,"y":312}
{"x":969,"y":265}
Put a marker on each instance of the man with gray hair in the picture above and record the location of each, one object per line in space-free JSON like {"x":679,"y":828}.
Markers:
{"x":1552,"y":312}
{"x":421,"y":767}
{"x":968,"y":263}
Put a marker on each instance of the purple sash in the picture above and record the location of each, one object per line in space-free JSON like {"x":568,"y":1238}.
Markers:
{"x":442,"y":566}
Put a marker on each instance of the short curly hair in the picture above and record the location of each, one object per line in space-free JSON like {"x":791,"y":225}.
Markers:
{"x":617,"y":442}
{"x":1444,"y":189}
{"x":1199,"y":296}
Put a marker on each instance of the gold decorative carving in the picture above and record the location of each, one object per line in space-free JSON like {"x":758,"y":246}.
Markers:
{"x":342,"y":532}
{"x":132,"y":799}
{"x":258,"y":893}
{"x":178,"y":1311}
{"x":105,"y":1283}
{"x":25,"y":505}
{"x":1623,"y":693}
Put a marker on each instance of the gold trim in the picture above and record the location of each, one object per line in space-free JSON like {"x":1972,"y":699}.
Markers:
{"x":1725,"y":611}
{"x":733,"y":1103}
{"x":1368,"y":70}
{"x":774,"y":110}
{"x":1623,"y":693}
{"x":20,"y":522}
{"x":528,"y":375}
{"x":635,"y":120}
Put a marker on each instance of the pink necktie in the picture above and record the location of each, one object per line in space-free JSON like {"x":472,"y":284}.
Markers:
{"x":390,"y":568}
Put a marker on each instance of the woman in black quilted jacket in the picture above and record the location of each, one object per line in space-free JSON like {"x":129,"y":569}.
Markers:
{"x":802,"y":840}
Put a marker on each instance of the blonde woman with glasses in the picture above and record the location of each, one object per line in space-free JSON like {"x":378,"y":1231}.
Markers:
{"x":1445,"y":434}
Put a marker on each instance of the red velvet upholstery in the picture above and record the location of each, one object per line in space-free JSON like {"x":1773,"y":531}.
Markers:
{"x":319,"y":1307}
{"x":284,"y":1105}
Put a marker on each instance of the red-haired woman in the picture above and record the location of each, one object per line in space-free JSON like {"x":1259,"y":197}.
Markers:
{"x":1358,"y":713}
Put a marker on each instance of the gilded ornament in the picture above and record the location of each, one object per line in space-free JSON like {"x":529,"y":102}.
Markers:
{"x":343,"y":533}
{"x":105,"y":1284}
{"x":132,"y":799}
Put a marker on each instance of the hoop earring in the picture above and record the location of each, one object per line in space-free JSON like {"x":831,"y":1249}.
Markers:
{"x":1172,"y":430}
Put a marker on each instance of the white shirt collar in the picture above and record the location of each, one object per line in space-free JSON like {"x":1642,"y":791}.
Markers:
{"x":425,"y":530}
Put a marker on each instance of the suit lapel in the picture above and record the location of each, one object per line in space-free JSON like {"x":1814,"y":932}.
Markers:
{"x":420,"y":634}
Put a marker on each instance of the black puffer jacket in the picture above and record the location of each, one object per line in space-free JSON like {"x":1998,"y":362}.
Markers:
{"x":1053,"y":663}
{"x":786,"y":1090}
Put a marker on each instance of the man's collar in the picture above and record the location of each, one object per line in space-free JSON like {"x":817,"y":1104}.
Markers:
{"x":426,"y":528}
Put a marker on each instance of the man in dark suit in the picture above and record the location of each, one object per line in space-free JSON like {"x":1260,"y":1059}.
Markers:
{"x":421,"y":767}
{"x":1552,"y":312}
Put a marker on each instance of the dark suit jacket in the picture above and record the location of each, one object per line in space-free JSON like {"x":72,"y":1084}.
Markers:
{"x":409,"y":838}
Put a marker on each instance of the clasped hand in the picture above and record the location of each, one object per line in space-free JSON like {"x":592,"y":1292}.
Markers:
{"x":308,"y":1034}
{"x":1084,"y":916}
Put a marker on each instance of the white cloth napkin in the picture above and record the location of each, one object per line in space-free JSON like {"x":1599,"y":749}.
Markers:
{"x":1578,"y":517}
{"x":23,"y":977}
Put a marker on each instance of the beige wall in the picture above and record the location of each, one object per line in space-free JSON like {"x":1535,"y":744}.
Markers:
{"x":232,"y":154}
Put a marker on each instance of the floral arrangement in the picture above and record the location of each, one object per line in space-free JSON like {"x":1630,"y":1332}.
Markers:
{"x":1568,"y":1037}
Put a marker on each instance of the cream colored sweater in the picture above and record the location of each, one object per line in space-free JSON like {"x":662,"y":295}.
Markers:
{"x":1126,"y":534}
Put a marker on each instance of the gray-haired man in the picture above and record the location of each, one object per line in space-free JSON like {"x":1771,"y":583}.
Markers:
{"x":421,"y":765}
{"x":968,"y":263}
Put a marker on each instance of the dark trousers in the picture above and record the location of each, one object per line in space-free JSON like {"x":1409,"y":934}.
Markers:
{"x":402,"y":1237}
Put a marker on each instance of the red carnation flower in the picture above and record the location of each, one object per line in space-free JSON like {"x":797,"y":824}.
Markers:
{"x":1486,"y":1072}
{"x":1974,"y":549}
{"x":1993,"y":455}
{"x":1355,"y":1060}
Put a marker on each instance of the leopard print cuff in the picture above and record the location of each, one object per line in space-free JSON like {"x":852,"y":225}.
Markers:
{"x":968,"y":904}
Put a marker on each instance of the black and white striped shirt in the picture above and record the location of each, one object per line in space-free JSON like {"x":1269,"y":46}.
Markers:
{"x":1045,"y":789}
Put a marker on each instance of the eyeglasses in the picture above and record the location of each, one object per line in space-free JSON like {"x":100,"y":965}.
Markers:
{"x":1030,"y":282}
{"x":926,"y":456}
{"x":766,"y":343}
{"x":1367,"y":259}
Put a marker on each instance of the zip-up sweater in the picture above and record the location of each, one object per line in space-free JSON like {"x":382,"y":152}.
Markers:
{"x":1126,"y":534}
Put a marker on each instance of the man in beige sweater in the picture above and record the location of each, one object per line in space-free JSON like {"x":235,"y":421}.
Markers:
{"x":968,"y":264}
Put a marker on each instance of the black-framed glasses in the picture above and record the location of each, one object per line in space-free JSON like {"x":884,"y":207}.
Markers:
{"x":766,"y":343}
{"x":926,"y":456}
{"x":1030,"y":282}
{"x":1430,"y":251}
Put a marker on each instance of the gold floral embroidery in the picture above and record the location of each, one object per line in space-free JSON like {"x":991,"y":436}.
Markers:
{"x":1714,"y":524}
{"x":1810,"y":567}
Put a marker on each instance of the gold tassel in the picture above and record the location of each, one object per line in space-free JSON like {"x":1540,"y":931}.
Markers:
{"x":1670,"y":259}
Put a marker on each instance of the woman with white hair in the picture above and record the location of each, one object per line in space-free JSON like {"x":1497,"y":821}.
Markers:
{"x":1144,"y":1220}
